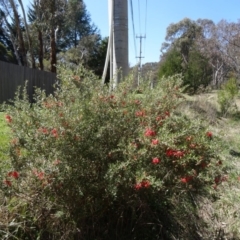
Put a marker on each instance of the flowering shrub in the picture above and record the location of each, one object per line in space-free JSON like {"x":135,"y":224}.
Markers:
{"x":88,"y":162}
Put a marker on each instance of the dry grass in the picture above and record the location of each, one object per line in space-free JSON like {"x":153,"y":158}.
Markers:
{"x":223,"y":214}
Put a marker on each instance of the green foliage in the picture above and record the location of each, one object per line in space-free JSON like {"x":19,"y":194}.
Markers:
{"x":5,"y":54}
{"x":196,"y":73}
{"x":89,"y":164}
{"x":171,"y":64}
{"x":4,"y":139}
{"x":227,"y":94}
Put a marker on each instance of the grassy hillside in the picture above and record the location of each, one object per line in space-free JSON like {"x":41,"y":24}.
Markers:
{"x":4,"y":137}
{"x":224,"y":213}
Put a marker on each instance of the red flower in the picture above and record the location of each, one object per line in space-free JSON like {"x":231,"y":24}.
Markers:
{"x":13,"y":174}
{"x":209,"y":134}
{"x":155,"y":141}
{"x":8,"y":118}
{"x":7,"y":182}
{"x":178,"y":154}
{"x":155,"y":160}
{"x":174,"y":153}
{"x":142,"y":184}
{"x":158,"y":118}
{"x":149,"y":132}
{"x":43,"y":130}
{"x":54,"y":132}
{"x":169,"y":152}
{"x":186,"y":179}
{"x":140,"y":114}
{"x":39,"y":175}
{"x":137,"y":186}
{"x":145,"y":183}
{"x":167,"y":113}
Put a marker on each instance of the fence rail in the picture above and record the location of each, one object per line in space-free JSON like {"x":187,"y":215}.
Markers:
{"x":12,"y":76}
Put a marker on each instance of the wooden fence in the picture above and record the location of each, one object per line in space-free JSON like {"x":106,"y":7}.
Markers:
{"x":12,"y":76}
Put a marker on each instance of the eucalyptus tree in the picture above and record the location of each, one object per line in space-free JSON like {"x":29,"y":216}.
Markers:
{"x":182,"y":35}
{"x":28,"y":34}
{"x":12,"y":27}
{"x":47,"y":17}
{"x":77,"y":23}
{"x":180,"y":54}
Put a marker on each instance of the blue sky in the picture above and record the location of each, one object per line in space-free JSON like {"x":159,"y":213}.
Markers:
{"x":160,"y":14}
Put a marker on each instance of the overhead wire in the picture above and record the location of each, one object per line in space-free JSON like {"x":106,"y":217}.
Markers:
{"x":145,"y":25}
{"x":139,"y":15}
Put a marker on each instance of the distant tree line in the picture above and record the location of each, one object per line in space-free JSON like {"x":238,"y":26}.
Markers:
{"x":50,"y":32}
{"x":204,"y":52}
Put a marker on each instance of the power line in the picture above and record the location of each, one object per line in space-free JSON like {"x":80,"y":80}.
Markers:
{"x":139,"y":14}
{"x":145,"y":24}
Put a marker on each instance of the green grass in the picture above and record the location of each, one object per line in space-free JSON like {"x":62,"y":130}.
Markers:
{"x":5,"y":136}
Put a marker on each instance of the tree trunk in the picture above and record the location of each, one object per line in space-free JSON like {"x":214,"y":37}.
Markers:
{"x":19,"y":33}
{"x":12,"y":40}
{"x":28,"y":35}
{"x":53,"y":58}
{"x":40,"y":57}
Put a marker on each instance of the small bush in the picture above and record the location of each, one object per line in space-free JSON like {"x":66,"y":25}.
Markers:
{"x":89,"y":164}
{"x":227,"y":95}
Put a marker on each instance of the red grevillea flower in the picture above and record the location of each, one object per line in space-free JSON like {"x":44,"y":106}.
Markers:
{"x":155,"y":141}
{"x":137,"y":186}
{"x":167,"y":113}
{"x":39,"y":175}
{"x":159,"y":118}
{"x":169,"y":152}
{"x":142,"y":184}
{"x":145,"y":183}
{"x":7,"y":182}
{"x":149,"y":132}
{"x":209,"y":134}
{"x":155,"y":160}
{"x":54,"y":132}
{"x":43,"y":130}
{"x":8,"y":118}
{"x":13,"y":174}
{"x":186,"y":179}
{"x":175,"y":153}
{"x":140,"y":114}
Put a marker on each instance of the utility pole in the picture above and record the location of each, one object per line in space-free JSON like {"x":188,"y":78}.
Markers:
{"x":140,"y":58}
{"x":118,"y":41}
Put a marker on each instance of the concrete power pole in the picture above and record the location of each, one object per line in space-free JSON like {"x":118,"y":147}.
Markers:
{"x":119,"y":45}
{"x":140,"y":59}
